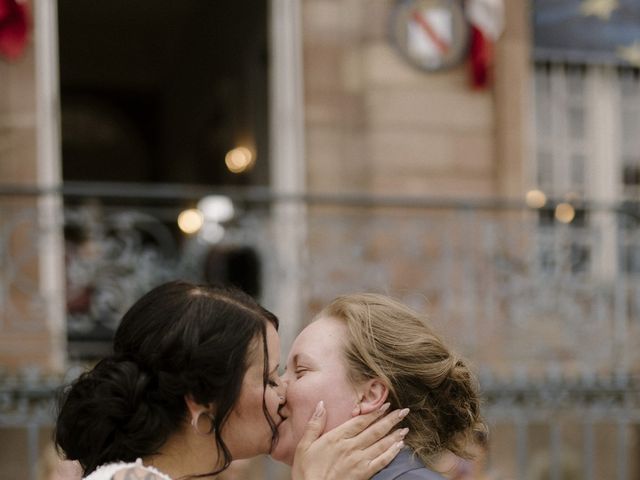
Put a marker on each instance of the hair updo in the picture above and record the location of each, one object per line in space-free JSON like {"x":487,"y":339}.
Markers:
{"x":179,"y":339}
{"x":389,"y":341}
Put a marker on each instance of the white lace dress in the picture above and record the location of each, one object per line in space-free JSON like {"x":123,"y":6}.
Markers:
{"x":107,"y":471}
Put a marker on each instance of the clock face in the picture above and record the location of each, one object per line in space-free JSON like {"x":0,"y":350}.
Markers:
{"x":431,"y":34}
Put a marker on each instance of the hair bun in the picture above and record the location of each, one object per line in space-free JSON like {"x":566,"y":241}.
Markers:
{"x":106,"y":408}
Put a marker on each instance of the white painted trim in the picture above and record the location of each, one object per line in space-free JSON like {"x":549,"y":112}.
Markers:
{"x":601,"y":147}
{"x":287,"y":163}
{"x":49,"y":175}
{"x":286,"y":98}
{"x":603,"y":97}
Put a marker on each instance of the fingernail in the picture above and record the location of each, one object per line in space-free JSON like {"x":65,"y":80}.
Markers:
{"x":384,"y":407}
{"x":319,"y":409}
{"x":403,"y":432}
{"x":403,"y":413}
{"x":398,"y":446}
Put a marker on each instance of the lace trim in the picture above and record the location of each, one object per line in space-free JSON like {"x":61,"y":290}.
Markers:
{"x":152,"y":470}
{"x":106,"y":471}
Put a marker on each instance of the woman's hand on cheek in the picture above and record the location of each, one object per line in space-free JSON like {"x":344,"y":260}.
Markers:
{"x":357,"y":449}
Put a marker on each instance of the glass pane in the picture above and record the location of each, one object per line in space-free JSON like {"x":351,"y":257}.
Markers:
{"x":542,"y":101}
{"x":629,"y":84}
{"x":576,"y":122}
{"x":578,"y":166}
{"x":575,"y":80}
{"x":545,"y":169}
{"x":630,"y":130}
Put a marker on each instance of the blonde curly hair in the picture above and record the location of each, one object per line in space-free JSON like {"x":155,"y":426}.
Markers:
{"x":389,"y":341}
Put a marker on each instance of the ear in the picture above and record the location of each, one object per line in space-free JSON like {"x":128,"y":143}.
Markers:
{"x":372,"y":394}
{"x":194,"y":407}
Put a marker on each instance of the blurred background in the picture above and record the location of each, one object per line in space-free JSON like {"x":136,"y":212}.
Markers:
{"x":478,"y":159}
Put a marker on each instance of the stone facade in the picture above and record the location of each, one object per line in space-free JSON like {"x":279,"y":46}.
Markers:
{"x":376,"y":124}
{"x":28,"y":337}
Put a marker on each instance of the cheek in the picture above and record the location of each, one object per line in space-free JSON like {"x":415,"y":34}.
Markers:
{"x":302,"y":397}
{"x":338,"y":396}
{"x":248,"y":411}
{"x":272,"y":399}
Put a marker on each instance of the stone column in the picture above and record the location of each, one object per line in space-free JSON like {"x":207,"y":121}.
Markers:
{"x":513,"y":97}
{"x":32,"y":329}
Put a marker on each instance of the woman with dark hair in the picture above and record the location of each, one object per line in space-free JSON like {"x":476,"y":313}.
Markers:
{"x":192,"y":384}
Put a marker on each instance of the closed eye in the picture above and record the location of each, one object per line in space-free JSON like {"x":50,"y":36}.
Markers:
{"x":274,"y":382}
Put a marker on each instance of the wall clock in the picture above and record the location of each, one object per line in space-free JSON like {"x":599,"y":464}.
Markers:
{"x":431,"y":34}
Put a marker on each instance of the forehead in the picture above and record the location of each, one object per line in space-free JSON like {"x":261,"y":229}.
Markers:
{"x":322,"y":339}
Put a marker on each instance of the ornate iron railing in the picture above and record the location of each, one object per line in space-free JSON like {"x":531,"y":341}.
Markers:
{"x":548,"y":312}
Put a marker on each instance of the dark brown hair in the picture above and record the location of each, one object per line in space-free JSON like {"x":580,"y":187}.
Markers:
{"x":179,"y":339}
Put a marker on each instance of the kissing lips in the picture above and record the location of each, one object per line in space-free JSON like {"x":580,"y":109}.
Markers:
{"x":283,"y":417}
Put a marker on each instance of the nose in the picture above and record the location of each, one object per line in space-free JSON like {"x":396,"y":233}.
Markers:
{"x":285,"y":378}
{"x":282,"y":392}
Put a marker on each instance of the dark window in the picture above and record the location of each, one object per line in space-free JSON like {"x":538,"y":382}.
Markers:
{"x":160,"y":90}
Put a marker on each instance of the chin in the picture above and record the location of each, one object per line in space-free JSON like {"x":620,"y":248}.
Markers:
{"x":250,"y":450}
{"x":282,"y":453}
{"x":280,"y":456}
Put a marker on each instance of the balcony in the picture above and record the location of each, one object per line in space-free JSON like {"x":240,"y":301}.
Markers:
{"x":547,"y":311}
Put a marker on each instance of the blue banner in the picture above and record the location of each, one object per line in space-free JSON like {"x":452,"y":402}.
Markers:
{"x":587,"y":31}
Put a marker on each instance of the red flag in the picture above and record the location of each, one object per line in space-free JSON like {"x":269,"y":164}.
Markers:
{"x":480,"y":58}
{"x":14,"y":26}
{"x":487,"y":22}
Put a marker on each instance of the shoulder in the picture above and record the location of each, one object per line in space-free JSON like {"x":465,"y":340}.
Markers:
{"x":406,"y":466}
{"x":419,"y":474}
{"x":138,"y":473}
{"x":126,"y":471}
{"x":416,"y":474}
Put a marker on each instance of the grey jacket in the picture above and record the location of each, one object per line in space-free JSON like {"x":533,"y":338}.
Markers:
{"x":406,"y":467}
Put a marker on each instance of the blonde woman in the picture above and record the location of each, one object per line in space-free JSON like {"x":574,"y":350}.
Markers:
{"x":363,"y":350}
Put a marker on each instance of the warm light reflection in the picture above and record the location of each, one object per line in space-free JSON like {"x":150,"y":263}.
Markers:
{"x":212,"y":232}
{"x":239,"y":159}
{"x":216,"y":208}
{"x":536,"y":199}
{"x":565,"y":213}
{"x":190,"y":221}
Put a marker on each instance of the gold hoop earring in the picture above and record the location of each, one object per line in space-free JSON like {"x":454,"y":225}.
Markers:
{"x":196,"y":423}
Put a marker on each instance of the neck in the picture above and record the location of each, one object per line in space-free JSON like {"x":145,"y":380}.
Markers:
{"x":186,"y":454}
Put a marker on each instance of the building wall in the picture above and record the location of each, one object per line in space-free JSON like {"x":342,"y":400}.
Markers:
{"x":373,"y":123}
{"x":18,"y":119}
{"x":28,"y":336}
{"x":376,"y":124}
